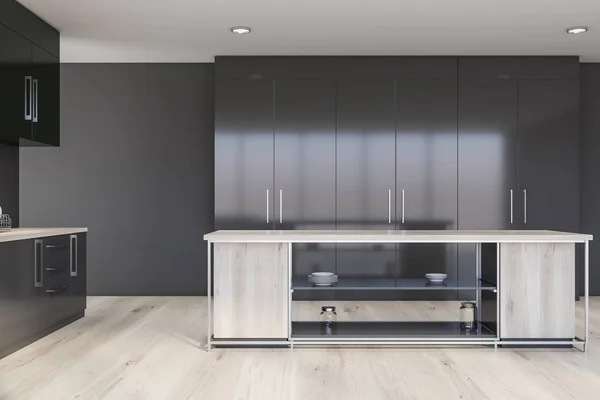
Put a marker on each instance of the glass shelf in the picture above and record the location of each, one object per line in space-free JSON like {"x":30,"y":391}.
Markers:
{"x":389,"y":330}
{"x":389,"y":284}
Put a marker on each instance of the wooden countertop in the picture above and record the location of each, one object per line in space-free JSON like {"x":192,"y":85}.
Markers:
{"x":34,"y":233}
{"x":407,"y":236}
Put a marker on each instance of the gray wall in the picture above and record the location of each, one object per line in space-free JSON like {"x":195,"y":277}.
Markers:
{"x":9,"y":182}
{"x":590,"y":165}
{"x":135,"y":166}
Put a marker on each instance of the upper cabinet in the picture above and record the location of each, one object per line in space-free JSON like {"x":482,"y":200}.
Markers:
{"x":29,"y":78}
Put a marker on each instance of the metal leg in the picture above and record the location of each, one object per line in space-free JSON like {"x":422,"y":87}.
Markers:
{"x":290,"y":291}
{"x":587,"y":294}
{"x":498,"y":291}
{"x":209,"y":297}
{"x":477,"y":282}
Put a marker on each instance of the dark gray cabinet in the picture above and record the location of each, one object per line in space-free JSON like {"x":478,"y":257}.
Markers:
{"x":304,"y":165}
{"x":412,"y":143}
{"x":45,"y":127}
{"x":549,"y":154}
{"x":42,"y":287}
{"x":244,"y":154}
{"x":365,"y":173}
{"x":488,"y":154}
{"x":29,"y":78}
{"x":15,"y":86}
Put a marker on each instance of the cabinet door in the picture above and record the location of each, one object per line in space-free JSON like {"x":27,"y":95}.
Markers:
{"x":426,"y":172}
{"x":488,"y":153}
{"x":78,"y":271}
{"x":488,"y":162}
{"x":244,"y":154}
{"x":305,"y":166}
{"x":251,"y":290}
{"x":366,"y":170}
{"x":46,"y":97}
{"x":15,"y":87}
{"x":537,"y":286}
{"x":20,"y":298}
{"x":549,"y":154}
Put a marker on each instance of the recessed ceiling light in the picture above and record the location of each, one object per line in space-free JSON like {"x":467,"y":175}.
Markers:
{"x":241,"y":30}
{"x":577,"y":29}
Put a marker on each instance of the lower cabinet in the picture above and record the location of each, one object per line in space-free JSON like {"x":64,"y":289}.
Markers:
{"x":251,"y":291}
{"x":537,"y":283}
{"x":42,"y":288}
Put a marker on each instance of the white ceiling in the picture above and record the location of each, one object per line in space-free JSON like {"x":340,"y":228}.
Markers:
{"x":197,"y":30}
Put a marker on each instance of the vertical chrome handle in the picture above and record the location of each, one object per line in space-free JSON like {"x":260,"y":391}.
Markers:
{"x":511,"y":206}
{"x":389,"y":206}
{"x":28,"y":98}
{"x":525,"y":206}
{"x":267,"y":206}
{"x":35,"y":100}
{"x":281,"y":206}
{"x":38,"y":276}
{"x":74,"y":260}
{"x":402,"y":205}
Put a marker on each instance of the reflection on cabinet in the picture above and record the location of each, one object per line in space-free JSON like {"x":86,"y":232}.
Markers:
{"x":549,"y":154}
{"x":365,"y":173}
{"x":304,"y":169}
{"x":42,"y":287}
{"x":244,"y":154}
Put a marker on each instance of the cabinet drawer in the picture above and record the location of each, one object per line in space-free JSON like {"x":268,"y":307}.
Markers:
{"x":56,"y":251}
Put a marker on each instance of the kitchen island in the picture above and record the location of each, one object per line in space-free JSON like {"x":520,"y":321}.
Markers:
{"x":523,"y":288}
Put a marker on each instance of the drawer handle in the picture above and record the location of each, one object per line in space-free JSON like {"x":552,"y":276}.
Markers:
{"x":55,"y":246}
{"x":52,"y":269}
{"x":56,"y":291}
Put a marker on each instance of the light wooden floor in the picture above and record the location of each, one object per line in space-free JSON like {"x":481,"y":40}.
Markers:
{"x":152,"y":348}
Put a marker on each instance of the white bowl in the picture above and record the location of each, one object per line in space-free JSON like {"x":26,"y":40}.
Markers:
{"x":436,"y":278}
{"x":322,"y":274}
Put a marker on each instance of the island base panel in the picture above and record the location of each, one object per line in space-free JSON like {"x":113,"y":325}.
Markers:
{"x":251,"y":290}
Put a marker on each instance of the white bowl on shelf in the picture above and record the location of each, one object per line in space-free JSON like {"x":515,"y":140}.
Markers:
{"x":323,"y":278}
{"x":436,"y":278}
{"x":322,"y":274}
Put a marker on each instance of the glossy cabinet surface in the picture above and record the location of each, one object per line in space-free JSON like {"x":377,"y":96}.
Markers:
{"x":365,"y":172}
{"x":488,"y":145}
{"x":549,"y":154}
{"x":15,"y":86}
{"x":244,"y":154}
{"x":38,"y":293}
{"x":304,"y":170}
{"x":46,"y":113}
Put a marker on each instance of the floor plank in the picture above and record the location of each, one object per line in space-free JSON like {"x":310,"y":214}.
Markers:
{"x":153,"y":348}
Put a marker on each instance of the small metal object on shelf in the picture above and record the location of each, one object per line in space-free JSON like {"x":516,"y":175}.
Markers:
{"x":5,"y":223}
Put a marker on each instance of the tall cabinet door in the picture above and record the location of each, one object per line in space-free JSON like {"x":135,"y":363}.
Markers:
{"x":304,"y":121}
{"x":488,"y":145}
{"x":46,"y":97}
{"x":426,"y":172}
{"x":244,"y":154}
{"x":365,"y":166}
{"x":15,"y":87}
{"x":549,"y":154}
